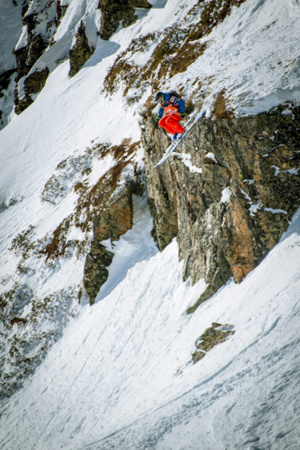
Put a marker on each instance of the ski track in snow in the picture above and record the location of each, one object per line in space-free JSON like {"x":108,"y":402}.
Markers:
{"x":232,"y":390}
{"x":121,"y":376}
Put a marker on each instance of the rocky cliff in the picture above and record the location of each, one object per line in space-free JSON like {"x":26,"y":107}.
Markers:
{"x":49,"y":32}
{"x":227,"y":194}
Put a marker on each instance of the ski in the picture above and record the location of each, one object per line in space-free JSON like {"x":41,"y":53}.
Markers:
{"x":174,"y":145}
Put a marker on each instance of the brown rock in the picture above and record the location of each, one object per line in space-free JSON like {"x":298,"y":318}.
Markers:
{"x":140,"y":4}
{"x":258,"y":160}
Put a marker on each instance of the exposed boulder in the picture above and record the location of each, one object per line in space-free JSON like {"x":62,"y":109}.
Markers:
{"x":163,"y":201}
{"x":27,"y":56}
{"x":231,"y":210}
{"x":80,"y":52}
{"x":32,"y":84}
{"x":95,"y":269}
{"x":114,"y":12}
{"x":212,"y":336}
{"x":60,"y":10}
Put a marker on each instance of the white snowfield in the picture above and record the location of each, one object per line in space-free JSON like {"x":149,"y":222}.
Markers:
{"x":122,"y":375}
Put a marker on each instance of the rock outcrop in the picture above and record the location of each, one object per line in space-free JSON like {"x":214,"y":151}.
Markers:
{"x":229,"y":196}
{"x":6,"y":81}
{"x":80,"y":52}
{"x":114,"y":12}
{"x":28,"y":54}
{"x":31,"y":46}
{"x":212,"y":336}
{"x":114,"y":220}
{"x":32,"y":84}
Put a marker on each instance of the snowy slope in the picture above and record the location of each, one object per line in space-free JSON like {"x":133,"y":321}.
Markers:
{"x":254,"y":55}
{"x":121,"y":376}
{"x":69,"y":114}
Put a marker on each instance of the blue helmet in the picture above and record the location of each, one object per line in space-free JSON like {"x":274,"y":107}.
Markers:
{"x":159,"y":97}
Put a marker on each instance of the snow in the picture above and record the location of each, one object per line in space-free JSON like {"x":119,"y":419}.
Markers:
{"x":275,"y":211}
{"x":211,"y":156}
{"x":122,"y":376}
{"x":133,"y":247}
{"x":127,"y":363}
{"x":253,"y":208}
{"x":254,"y":55}
{"x":186,"y":160}
{"x":226,"y":194}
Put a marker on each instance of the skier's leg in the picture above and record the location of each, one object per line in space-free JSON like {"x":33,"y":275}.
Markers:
{"x":172,"y":122}
{"x":163,"y":123}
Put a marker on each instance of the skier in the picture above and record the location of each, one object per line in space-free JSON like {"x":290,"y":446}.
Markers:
{"x":173,"y":107}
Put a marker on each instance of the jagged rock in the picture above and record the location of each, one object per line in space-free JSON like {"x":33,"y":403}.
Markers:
{"x":24,"y":350}
{"x":5,"y":79}
{"x":113,"y":221}
{"x":33,"y":84}
{"x":229,"y":216}
{"x":212,"y":336}
{"x":60,"y":10}
{"x":109,"y":207}
{"x":27,"y":56}
{"x":39,"y":35}
{"x":95,"y":269}
{"x":114,"y":12}
{"x":162,"y":200}
{"x":80,"y":52}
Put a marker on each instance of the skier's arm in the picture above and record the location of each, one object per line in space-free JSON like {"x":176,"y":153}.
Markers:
{"x":181,"y":105}
{"x":160,"y":113}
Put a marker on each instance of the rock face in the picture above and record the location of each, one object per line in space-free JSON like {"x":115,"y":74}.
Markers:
{"x":113,"y":221}
{"x":111,"y":204}
{"x":33,"y":47}
{"x":32,"y":84}
{"x":80,"y":52}
{"x":27,"y":55}
{"x":231,"y":194}
{"x":6,"y":78}
{"x":114,"y":12}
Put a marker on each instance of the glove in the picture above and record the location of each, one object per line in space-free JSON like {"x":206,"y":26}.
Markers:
{"x":156,"y":120}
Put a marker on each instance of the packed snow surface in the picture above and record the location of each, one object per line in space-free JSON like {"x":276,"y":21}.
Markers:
{"x":122,"y":374}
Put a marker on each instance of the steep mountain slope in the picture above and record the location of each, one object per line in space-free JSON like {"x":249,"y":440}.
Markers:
{"x":76,"y":180}
{"x":122,"y":375}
